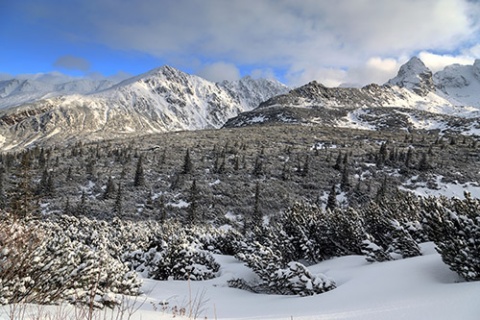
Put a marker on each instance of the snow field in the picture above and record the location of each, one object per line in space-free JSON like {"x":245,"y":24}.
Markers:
{"x":415,"y":289}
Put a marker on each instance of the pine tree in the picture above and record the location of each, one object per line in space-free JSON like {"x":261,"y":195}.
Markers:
{"x":110,"y":189}
{"x":258,"y":166}
{"x":306,"y":166}
{"x":82,"y":205}
{"x":21,"y":202}
{"x":257,"y":215}
{"x":338,"y":163}
{"x":118,"y":205}
{"x":409,"y":158}
{"x":192,"y":208}
{"x":187,"y":163}
{"x":332,"y":199}
{"x":162,"y":212}
{"x":424,"y":164}
{"x":3,"y":196}
{"x":345,"y":183}
{"x":67,"y":208}
{"x":139,"y":180}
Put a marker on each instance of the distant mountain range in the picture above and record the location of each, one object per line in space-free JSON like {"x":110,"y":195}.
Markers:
{"x":165,"y":99}
{"x":416,"y":98}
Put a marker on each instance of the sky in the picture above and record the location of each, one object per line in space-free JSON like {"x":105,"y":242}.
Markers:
{"x":294,"y":41}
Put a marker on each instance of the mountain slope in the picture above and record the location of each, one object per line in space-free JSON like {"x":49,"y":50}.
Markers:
{"x":461,"y":83}
{"x":15,"y":92}
{"x":164,"y":99}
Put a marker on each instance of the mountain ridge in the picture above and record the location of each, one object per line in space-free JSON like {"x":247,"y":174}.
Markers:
{"x":160,"y":100}
{"x":166,"y":99}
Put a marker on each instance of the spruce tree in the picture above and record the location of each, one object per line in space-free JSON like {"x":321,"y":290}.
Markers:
{"x":332,"y":199}
{"x":110,"y":189}
{"x":118,"y":205}
{"x":257,"y":215}
{"x":139,"y":180}
{"x":192,"y":208}
{"x":3,"y":196}
{"x":187,"y":163}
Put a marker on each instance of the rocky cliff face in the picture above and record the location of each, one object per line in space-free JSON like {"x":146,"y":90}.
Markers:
{"x":415,"y":76}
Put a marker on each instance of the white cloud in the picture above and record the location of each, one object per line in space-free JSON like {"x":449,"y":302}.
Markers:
{"x":219,"y":71}
{"x":267,"y":73}
{"x":308,"y":38}
{"x":437,"y":62}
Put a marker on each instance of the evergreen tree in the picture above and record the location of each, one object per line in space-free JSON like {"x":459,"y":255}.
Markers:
{"x":110,"y":189}
{"x":258,"y":167}
{"x":409,"y":158}
{"x":257,"y":215}
{"x":118,"y":205}
{"x":345,"y":182}
{"x":338,"y":163}
{"x":192,"y":208}
{"x":424,"y":164}
{"x":3,"y":196}
{"x":22,"y":200}
{"x":82,"y":205}
{"x":187,"y":163}
{"x":306,"y":166}
{"x":67,"y":208}
{"x":139,"y":180}
{"x":162,"y":212}
{"x":332,"y":199}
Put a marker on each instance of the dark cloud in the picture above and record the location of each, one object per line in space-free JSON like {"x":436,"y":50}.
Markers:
{"x":70,"y":62}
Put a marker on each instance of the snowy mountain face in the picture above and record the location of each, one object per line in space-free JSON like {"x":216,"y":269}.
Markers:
{"x":16,"y":92}
{"x":415,"y":76}
{"x":164,"y":99}
{"x":251,"y":92}
{"x":461,"y":83}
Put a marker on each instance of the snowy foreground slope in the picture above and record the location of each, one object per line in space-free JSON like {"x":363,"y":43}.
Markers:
{"x":415,"y":289}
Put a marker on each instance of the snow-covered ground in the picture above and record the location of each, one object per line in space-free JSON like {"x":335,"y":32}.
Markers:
{"x":417,"y":288}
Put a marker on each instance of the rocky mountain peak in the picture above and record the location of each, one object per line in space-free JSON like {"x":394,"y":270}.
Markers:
{"x":415,"y":76}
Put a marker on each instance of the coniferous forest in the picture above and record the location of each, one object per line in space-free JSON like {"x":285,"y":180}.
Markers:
{"x":82,"y":223}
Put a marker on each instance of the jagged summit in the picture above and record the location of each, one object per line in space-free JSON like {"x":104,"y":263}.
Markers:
{"x":415,"y":76}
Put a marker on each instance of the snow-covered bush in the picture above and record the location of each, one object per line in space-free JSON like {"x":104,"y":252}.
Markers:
{"x":217,"y":240}
{"x":39,"y":264}
{"x":297,"y":279}
{"x":454,"y":226}
{"x":308,"y":232}
{"x":347,"y":231}
{"x":179,"y":258}
{"x":276,"y":277}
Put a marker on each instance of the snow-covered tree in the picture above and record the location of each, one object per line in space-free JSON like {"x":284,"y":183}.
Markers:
{"x":454,"y":226}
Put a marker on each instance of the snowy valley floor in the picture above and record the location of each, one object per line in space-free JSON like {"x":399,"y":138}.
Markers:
{"x":419,"y":288}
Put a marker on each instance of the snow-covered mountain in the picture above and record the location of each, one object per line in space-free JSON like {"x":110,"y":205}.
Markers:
{"x":414,"y":76}
{"x":166,"y":99}
{"x":163,"y":99}
{"x":15,"y":92}
{"x":414,"y":99}
{"x":251,"y":92}
{"x":460,"y":83}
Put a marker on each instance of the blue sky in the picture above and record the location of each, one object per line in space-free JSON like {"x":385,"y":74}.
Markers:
{"x":295,"y":41}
